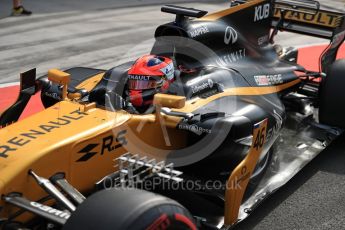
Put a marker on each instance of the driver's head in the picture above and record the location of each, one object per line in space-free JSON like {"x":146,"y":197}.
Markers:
{"x":148,"y":75}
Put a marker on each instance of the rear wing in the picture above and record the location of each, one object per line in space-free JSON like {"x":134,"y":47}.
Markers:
{"x":305,"y":17}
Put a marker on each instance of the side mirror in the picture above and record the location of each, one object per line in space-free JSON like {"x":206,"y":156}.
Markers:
{"x":61,"y":78}
{"x":170,"y":101}
{"x":165,"y":102}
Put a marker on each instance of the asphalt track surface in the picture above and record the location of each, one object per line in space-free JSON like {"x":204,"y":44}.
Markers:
{"x":66,"y":33}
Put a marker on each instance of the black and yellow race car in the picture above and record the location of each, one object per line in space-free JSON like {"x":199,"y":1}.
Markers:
{"x":239,"y":121}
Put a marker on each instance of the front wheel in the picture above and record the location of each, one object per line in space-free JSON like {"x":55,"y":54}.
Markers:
{"x":129,"y":209}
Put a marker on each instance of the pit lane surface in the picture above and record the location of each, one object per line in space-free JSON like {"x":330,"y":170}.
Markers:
{"x":314,"y":199}
{"x":62,"y":34}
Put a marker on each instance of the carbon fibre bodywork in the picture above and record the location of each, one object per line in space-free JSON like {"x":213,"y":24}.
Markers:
{"x":235,"y":97}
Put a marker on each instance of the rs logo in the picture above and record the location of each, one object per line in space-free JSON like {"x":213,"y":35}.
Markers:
{"x":230,"y":36}
{"x":262,"y":12}
{"x":107,"y":146}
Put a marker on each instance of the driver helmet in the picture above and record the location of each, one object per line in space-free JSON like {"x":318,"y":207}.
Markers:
{"x":149,"y":75}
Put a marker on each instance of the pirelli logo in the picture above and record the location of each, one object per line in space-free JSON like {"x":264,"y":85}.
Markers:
{"x":321,"y":18}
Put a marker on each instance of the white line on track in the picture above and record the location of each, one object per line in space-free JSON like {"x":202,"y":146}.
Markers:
{"x":4,"y":85}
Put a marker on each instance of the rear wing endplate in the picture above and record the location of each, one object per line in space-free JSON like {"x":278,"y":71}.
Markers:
{"x":330,"y":54}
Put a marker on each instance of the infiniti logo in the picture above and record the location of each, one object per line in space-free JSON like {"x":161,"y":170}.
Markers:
{"x":230,"y":36}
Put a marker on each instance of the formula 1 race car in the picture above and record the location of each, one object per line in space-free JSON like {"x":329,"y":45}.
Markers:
{"x":239,"y":121}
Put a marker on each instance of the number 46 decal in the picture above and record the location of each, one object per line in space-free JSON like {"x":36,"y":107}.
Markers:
{"x":260,"y":132}
{"x":240,"y":176}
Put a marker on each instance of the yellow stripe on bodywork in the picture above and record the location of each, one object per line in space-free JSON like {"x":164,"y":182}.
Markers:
{"x":223,"y":13}
{"x":87,"y":85}
{"x":239,"y":178}
{"x":193,"y":105}
{"x":90,"y":83}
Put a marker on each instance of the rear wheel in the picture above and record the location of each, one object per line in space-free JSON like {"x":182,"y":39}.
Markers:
{"x":332,"y":95}
{"x":129,"y":209}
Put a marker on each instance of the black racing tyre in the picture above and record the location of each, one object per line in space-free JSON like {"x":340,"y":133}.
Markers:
{"x":129,"y":209}
{"x":332,"y":95}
